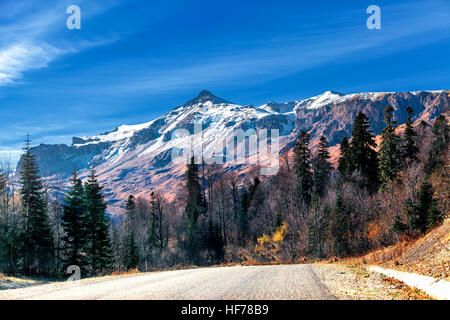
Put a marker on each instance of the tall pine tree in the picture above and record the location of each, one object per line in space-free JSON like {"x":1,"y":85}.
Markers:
{"x":390,"y":153}
{"x":344,"y":164}
{"x":363,"y":156}
{"x":339,"y":226}
{"x":36,"y":235}
{"x":322,"y":167}
{"x":410,"y":144}
{"x":302,"y":158}
{"x":130,"y":250}
{"x":439,"y":146}
{"x":195,"y":206}
{"x":74,"y":224}
{"x":98,"y":241}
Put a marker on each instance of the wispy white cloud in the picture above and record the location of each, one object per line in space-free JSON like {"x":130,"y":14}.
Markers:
{"x":20,"y":57}
{"x":30,"y":36}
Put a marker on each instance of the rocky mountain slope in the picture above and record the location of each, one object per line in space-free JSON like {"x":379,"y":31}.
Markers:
{"x":138,"y":158}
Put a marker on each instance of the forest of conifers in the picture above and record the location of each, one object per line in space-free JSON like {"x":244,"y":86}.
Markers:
{"x":377,"y":195}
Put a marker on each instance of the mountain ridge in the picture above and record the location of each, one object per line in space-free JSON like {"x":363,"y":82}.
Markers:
{"x":137,"y":158}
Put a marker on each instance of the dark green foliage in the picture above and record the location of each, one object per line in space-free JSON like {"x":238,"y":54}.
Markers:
{"x":98,"y":241}
{"x":340,"y":226}
{"x":345,"y":161}
{"x":130,"y":250}
{"x":9,"y":228}
{"x":322,"y":167}
{"x":156,"y":239}
{"x":74,"y":223}
{"x":424,"y":213}
{"x":364,"y":158}
{"x":410,"y":144}
{"x":36,"y":234}
{"x":390,"y":153}
{"x":398,"y":226}
{"x":439,"y":146}
{"x":278,"y":221}
{"x":214,"y":243}
{"x":246,"y":199}
{"x":131,"y":258}
{"x":302,"y":158}
{"x":195,"y":206}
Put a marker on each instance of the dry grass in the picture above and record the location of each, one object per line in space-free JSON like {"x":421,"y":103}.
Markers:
{"x":428,"y":255}
{"x":405,"y":292}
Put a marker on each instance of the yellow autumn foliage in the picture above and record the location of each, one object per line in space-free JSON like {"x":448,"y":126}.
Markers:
{"x":276,"y":237}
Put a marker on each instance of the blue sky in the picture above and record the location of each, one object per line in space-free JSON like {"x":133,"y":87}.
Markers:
{"x":134,"y":60}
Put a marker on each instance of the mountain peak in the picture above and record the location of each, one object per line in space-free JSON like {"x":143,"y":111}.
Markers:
{"x":333,"y":92}
{"x":205,"y":96}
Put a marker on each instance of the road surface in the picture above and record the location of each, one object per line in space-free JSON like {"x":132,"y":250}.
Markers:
{"x":251,"y":282}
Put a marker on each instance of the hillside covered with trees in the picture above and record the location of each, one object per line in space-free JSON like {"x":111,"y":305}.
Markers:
{"x":381,"y":192}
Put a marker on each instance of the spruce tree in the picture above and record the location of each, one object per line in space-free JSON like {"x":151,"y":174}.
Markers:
{"x":130,"y":250}
{"x":363,"y":156}
{"x":246,"y":200}
{"x":390,"y":154}
{"x":156,"y":239}
{"x":410,"y":144}
{"x":322,"y":167}
{"x":302,"y":158}
{"x":339,"y":226}
{"x":98,"y":241}
{"x":344,"y":164}
{"x":439,"y":146}
{"x":36,"y":235}
{"x":74,"y":223}
{"x":423,"y":214}
{"x":214,"y":242}
{"x":131,"y":259}
{"x":195,"y":206}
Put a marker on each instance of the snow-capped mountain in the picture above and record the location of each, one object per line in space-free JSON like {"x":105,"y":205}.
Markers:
{"x":137,"y":158}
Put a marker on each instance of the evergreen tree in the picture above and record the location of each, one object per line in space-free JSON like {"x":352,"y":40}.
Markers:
{"x":130,"y":208}
{"x":390,"y":155}
{"x":423,"y":214}
{"x":410,"y":144}
{"x":322,"y":167}
{"x":74,"y":223}
{"x":246,"y":200}
{"x":195,"y":206}
{"x":131,"y":259}
{"x":214,"y":242}
{"x":398,"y":226}
{"x":130,"y":250}
{"x":363,"y":156}
{"x":278,"y":221}
{"x":98,"y":241}
{"x":439,"y":146}
{"x":344,"y":164}
{"x":156,"y":239}
{"x":339,"y":226}
{"x":36,"y":235}
{"x":302,"y":158}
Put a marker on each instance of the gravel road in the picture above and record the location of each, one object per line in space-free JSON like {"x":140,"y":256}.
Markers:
{"x":255,"y":282}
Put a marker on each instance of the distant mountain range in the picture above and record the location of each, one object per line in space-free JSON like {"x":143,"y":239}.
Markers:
{"x":135,"y":159}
